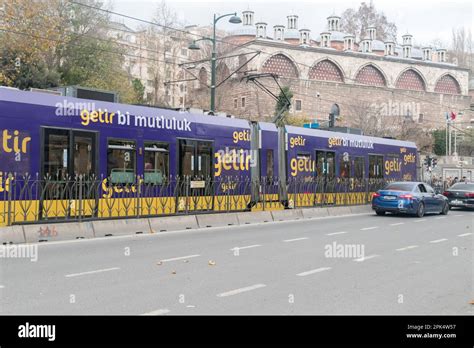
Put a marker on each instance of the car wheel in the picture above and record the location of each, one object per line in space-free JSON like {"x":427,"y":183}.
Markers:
{"x":445,"y":209}
{"x":379,"y":212}
{"x":420,"y":212}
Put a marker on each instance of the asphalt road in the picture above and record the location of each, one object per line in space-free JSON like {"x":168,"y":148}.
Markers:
{"x":409,"y":266}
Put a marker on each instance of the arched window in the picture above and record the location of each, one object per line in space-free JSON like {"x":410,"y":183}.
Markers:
{"x":280,"y":65}
{"x":203,"y":77}
{"x":326,"y":70}
{"x":447,"y":85}
{"x":370,"y":75}
{"x":222,"y":72}
{"x":410,"y":79}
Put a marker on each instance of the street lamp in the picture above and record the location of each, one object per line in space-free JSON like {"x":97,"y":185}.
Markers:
{"x":234,"y":19}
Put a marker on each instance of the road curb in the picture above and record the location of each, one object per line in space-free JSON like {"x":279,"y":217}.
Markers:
{"x":173,"y":223}
{"x":55,"y":231}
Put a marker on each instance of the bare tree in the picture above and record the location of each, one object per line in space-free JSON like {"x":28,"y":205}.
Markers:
{"x":462,"y":47}
{"x":164,"y":45}
{"x":356,"y":22}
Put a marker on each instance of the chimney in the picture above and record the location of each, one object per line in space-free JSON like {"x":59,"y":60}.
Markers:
{"x":333,"y":23}
{"x":427,"y":53}
{"x":441,"y":55}
{"x":372,"y":32}
{"x":389,"y":48}
{"x":261,"y":30}
{"x":247,"y":18}
{"x":366,"y":45}
{"x":349,"y":43}
{"x":304,"y":36}
{"x":292,"y":21}
{"x":279,"y":32}
{"x":325,"y":39}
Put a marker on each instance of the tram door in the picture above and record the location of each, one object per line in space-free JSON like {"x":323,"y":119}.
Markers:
{"x":325,"y":164}
{"x":325,"y":172}
{"x":375,"y":167}
{"x":68,"y":168}
{"x":195,"y":190}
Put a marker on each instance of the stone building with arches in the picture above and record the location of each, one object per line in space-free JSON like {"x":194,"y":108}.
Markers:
{"x":389,"y":82}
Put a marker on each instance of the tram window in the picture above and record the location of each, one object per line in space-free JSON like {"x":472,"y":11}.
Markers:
{"x":375,"y":167}
{"x":320,"y":167}
{"x":56,"y":153}
{"x":344,"y":165}
{"x":325,"y":163}
{"x":359,"y":167}
{"x":269,"y":163}
{"x":121,"y":161}
{"x":83,"y":155}
{"x":186,"y":158}
{"x":156,"y":161}
{"x":204,"y":158}
{"x":331,"y":164}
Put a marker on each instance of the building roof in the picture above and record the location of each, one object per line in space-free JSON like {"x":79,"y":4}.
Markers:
{"x":338,"y":35}
{"x":244,"y":31}
{"x":292,"y":34}
{"x":120,"y":26}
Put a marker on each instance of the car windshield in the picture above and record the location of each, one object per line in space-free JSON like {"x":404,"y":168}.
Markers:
{"x":462,"y":186}
{"x":399,"y":186}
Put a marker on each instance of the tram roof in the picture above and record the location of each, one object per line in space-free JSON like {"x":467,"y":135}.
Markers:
{"x":266,"y":126}
{"x":329,"y":134}
{"x":44,"y":99}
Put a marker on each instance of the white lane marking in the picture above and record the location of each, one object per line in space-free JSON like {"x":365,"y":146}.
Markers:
{"x":294,"y":240}
{"x":362,"y":259}
{"x":158,"y":312}
{"x":317,"y":270}
{"x":2,"y":287}
{"x":459,"y":215}
{"x":368,"y":228}
{"x":92,"y":272}
{"x":438,"y":240}
{"x":397,"y":224}
{"x":334,"y":233}
{"x":191,"y":306}
{"x":440,"y":217}
{"x":179,"y":258}
{"x":464,"y":234}
{"x":408,"y":247}
{"x":245,"y":247}
{"x":422,"y":220}
{"x":238,"y":291}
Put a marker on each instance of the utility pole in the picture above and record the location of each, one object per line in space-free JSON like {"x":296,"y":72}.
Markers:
{"x":234,"y":19}
{"x":455,"y":141}
{"x":446,"y":142}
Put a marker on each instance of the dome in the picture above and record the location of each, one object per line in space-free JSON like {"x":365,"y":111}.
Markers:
{"x":416,"y":53}
{"x":292,"y":34}
{"x":378,"y":45}
{"x":338,"y":35}
{"x":244,"y":31}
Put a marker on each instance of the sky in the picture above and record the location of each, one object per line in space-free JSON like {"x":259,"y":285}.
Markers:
{"x":426,"y":20}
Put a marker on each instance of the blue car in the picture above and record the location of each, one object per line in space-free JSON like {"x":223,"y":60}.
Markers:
{"x":416,"y":198}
